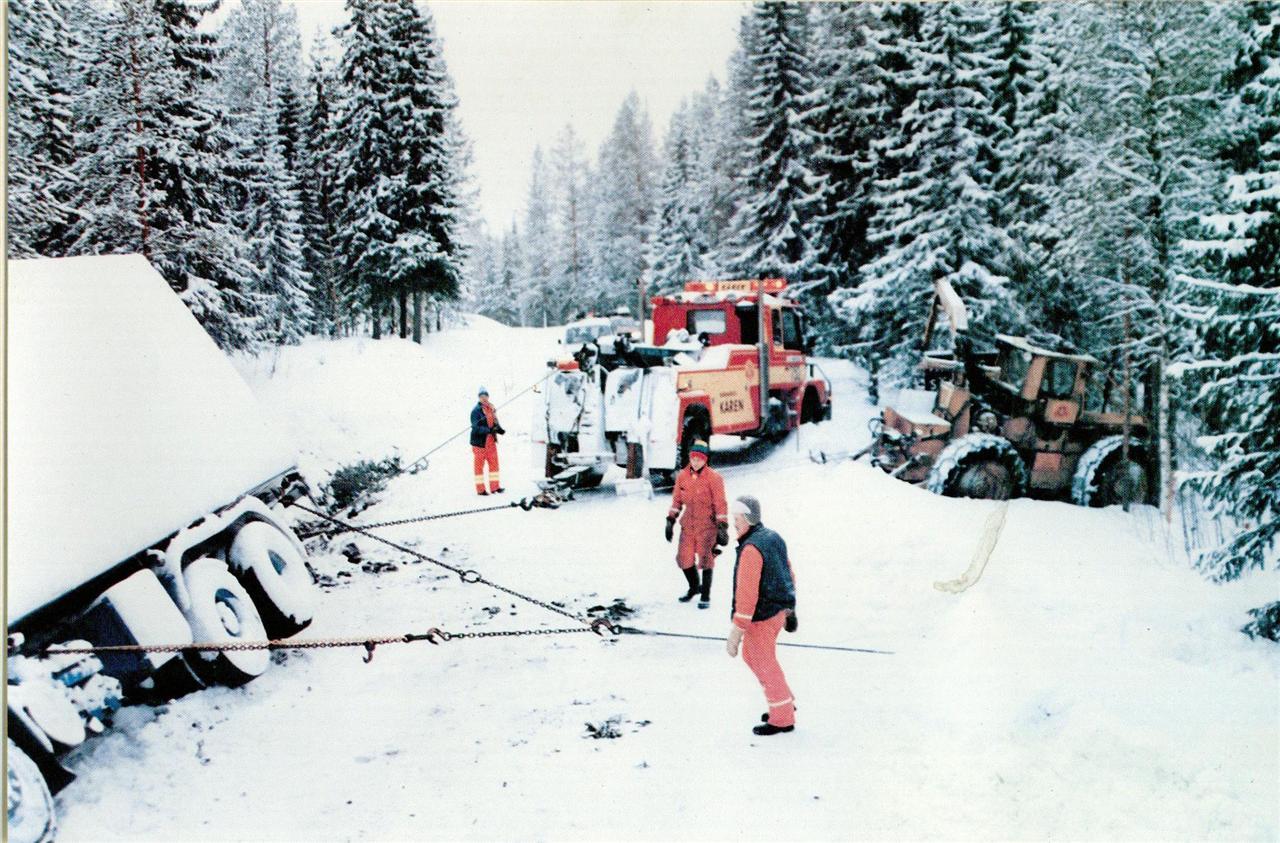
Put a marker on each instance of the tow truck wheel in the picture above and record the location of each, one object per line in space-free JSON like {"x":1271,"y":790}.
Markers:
{"x":695,"y":427}
{"x":275,"y":575}
{"x":32,"y":817}
{"x":222,"y":611}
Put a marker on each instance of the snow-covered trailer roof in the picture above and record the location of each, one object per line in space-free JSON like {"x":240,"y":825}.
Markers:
{"x":125,"y":422}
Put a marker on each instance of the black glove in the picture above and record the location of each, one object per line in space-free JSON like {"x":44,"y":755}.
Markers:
{"x":671,"y":528}
{"x":792,"y":623}
{"x":497,"y":428}
{"x":722,"y":535}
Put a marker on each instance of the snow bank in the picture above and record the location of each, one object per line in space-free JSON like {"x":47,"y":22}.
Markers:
{"x":1083,"y":688}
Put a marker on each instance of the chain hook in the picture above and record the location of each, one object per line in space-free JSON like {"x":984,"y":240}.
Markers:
{"x":368,"y":651}
{"x":525,"y":503}
{"x":599,"y":623}
{"x":470,"y":577}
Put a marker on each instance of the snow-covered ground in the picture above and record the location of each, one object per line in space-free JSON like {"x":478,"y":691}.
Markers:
{"x":1086,"y":687}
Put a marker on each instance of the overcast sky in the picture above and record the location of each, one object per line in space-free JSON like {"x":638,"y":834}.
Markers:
{"x":523,"y":70}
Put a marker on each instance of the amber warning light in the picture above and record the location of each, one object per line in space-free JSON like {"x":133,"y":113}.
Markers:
{"x":753,"y":285}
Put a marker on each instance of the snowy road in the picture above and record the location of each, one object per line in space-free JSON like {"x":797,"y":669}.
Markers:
{"x":1086,"y":687}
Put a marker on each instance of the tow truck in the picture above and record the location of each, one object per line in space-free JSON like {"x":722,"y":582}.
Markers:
{"x":728,"y":357}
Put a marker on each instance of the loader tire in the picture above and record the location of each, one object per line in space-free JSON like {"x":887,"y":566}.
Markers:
{"x":1104,"y":478}
{"x":978,"y":465}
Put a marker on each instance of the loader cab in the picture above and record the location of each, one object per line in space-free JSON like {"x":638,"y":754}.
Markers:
{"x":1052,"y":382}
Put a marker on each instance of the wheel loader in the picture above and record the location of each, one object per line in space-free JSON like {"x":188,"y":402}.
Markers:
{"x":1017,"y":421}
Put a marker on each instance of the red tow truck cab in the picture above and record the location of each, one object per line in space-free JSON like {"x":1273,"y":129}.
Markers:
{"x":739,"y":343}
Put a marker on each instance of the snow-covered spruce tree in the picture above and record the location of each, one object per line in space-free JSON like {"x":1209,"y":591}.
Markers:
{"x":273,"y":232}
{"x":1032,"y":40}
{"x":396,"y":154}
{"x":261,"y":50}
{"x":483,"y":277}
{"x":538,"y":299}
{"x":571,"y":180}
{"x":935,"y":218}
{"x":713,"y":175}
{"x":318,"y":208}
{"x":1235,"y":307}
{"x":627,"y":176}
{"x":42,"y":70}
{"x":770,"y":226}
{"x":1140,"y":92}
{"x":679,"y":244}
{"x":152,"y":146}
{"x":847,"y":117}
{"x":512,"y":277}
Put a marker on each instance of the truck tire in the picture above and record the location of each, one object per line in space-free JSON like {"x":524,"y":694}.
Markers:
{"x":810,"y":409}
{"x":589,"y":479}
{"x":662,"y":479}
{"x":978,"y":465}
{"x":275,"y":574}
{"x":696,"y":426}
{"x":32,"y":817}
{"x":222,"y":611}
{"x":1104,"y":478}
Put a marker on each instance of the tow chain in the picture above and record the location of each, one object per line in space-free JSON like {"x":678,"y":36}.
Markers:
{"x":469,"y":576}
{"x":524,"y":503}
{"x":434,"y":635}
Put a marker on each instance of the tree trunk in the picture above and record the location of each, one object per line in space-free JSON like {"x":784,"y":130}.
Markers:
{"x":404,"y":313}
{"x":1165,"y":424}
{"x":376,"y":313}
{"x":417,"y":316}
{"x":439,"y":311}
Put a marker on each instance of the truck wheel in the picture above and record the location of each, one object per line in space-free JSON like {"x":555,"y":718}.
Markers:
{"x":1105,"y":478}
{"x":695,"y":427}
{"x":275,"y":575}
{"x":549,"y":467}
{"x":979,"y":465}
{"x":662,"y":478}
{"x":810,"y":410}
{"x":32,"y":817}
{"x":222,"y":611}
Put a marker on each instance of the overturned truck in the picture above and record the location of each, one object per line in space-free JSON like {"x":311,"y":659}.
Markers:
{"x":146,"y":496}
{"x":1019,"y":420}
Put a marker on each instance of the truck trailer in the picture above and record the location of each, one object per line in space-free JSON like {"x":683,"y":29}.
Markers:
{"x":146,"y":497}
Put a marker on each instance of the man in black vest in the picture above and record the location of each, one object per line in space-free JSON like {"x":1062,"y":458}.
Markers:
{"x":764,"y":600}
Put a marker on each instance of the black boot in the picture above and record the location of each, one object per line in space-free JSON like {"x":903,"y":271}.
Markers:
{"x":691,"y":575}
{"x":705,"y":600}
{"x":770,"y":729}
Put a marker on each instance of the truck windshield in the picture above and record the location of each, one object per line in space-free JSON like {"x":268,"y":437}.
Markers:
{"x":708,"y":321}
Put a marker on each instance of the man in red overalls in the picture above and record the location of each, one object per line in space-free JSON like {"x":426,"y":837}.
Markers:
{"x":764,"y":601}
{"x":699,"y":491}
{"x":484,"y":443}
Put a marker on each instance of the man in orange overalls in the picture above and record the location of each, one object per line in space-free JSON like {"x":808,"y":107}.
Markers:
{"x":699,"y":491}
{"x":764,"y":602}
{"x":485,"y":431}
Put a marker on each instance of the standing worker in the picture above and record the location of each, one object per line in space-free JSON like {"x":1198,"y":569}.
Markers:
{"x":485,"y":431}
{"x":764,"y":601}
{"x":699,"y":491}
